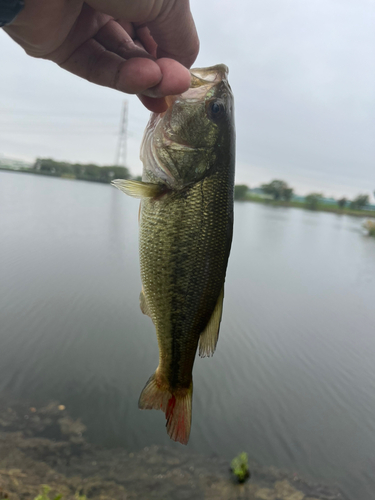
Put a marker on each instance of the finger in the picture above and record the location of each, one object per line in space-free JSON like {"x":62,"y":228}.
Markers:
{"x":176,"y":79}
{"x":156,"y":105}
{"x":98,"y":65}
{"x":170,"y":22}
{"x":143,"y":34}
{"x":175,"y":33}
{"x":128,"y":27}
{"x":139,"y":10}
{"x":113,"y":37}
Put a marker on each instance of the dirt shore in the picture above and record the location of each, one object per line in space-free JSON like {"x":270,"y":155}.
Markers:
{"x":45,"y":446}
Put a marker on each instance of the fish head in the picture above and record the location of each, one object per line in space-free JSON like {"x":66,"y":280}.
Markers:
{"x":182,"y":145}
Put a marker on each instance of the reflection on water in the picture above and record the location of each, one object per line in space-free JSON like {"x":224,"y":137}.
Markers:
{"x":293,"y":378}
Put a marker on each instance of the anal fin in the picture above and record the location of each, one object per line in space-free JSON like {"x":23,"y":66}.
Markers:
{"x":209,"y":336}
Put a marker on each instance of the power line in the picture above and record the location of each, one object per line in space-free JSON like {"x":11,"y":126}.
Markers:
{"x":120,"y":158}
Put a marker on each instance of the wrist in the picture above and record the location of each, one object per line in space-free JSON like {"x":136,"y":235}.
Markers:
{"x":9,"y":9}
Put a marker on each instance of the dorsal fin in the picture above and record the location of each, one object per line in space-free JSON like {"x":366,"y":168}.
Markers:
{"x":209,"y":336}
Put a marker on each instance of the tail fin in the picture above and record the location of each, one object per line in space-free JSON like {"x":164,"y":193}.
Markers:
{"x":176,"y":406}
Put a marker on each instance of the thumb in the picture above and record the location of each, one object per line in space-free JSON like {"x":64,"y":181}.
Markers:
{"x":170,"y":23}
{"x":175,"y":34}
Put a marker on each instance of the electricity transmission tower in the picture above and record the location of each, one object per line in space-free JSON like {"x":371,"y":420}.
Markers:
{"x":120,"y":159}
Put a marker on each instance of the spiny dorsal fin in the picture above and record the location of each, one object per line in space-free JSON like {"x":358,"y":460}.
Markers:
{"x":210,"y":335}
{"x":143,"y":304}
{"x":139,"y":189}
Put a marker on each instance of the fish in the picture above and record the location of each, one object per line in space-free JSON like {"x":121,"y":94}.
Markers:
{"x":185,"y":235}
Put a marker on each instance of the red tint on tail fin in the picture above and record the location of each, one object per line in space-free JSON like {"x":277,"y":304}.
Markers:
{"x":177,"y":408}
{"x":178,"y":416}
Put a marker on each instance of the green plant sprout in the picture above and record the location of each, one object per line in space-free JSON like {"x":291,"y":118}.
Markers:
{"x":45,"y":494}
{"x":240,"y":467}
{"x":80,"y":497}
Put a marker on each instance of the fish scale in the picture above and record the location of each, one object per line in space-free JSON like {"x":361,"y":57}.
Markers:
{"x":186,"y":223}
{"x":183,"y":288}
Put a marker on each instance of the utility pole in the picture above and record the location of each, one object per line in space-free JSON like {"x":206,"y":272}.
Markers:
{"x":120,"y":159}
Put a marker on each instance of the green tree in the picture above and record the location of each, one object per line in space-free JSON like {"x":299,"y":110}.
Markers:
{"x":342,"y":202}
{"x":89,"y":172}
{"x":116,"y":172}
{"x":49,"y":166}
{"x":312,"y":200}
{"x":288,"y":194}
{"x":279,"y":190}
{"x":240,"y":191}
{"x":360,"y":202}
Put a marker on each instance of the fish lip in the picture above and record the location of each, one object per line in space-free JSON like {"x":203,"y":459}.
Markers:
{"x":200,"y":77}
{"x":203,"y":80}
{"x":213,"y":74}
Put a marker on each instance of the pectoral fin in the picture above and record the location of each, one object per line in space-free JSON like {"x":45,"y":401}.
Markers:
{"x":139,"y":189}
{"x":210,"y":335}
{"x":143,"y":304}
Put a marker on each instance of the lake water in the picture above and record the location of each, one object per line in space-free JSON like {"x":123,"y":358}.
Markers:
{"x":293,"y":379}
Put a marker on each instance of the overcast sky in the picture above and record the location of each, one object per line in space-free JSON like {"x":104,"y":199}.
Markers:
{"x":303,"y":77}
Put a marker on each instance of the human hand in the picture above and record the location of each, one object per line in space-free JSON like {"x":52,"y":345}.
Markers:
{"x":139,"y":47}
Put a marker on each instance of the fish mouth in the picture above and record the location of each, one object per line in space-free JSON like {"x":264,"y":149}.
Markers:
{"x":204,"y":76}
{"x":202,"y":80}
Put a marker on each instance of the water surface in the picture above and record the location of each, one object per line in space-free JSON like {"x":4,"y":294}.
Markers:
{"x":293,"y":379}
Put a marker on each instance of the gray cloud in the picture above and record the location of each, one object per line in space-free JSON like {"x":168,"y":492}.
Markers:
{"x":303,"y":75}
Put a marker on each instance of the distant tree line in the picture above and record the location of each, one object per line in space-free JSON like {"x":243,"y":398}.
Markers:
{"x":87,"y":172}
{"x":279,"y":190}
{"x":240,"y":191}
{"x":359,"y":203}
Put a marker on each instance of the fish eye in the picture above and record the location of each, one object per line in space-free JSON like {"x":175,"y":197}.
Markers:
{"x":215,"y":110}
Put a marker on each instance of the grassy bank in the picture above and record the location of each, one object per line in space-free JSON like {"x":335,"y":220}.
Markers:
{"x":321,"y":207}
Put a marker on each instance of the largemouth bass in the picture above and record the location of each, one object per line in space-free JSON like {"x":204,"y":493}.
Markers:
{"x":186,"y":221}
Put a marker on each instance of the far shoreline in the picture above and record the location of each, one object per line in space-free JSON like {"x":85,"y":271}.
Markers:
{"x":321,"y":207}
{"x":301,"y":205}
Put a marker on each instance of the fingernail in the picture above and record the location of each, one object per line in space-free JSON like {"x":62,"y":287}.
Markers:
{"x":153,"y":92}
